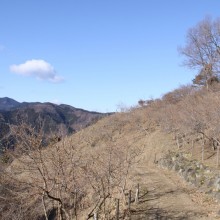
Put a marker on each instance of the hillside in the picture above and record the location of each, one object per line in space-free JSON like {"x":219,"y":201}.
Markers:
{"x":132,"y":144}
{"x":86,"y":173}
{"x":54,"y":119}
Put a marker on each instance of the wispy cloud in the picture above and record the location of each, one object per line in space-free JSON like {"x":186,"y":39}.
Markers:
{"x":39,"y":69}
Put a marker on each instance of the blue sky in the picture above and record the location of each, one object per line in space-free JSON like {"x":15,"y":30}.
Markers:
{"x":95,"y":54}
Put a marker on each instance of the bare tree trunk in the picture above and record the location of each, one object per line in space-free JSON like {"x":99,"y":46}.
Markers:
{"x":203,"y":146}
{"x":59,"y":217}
{"x":192,"y":149}
{"x":44,"y":207}
{"x":218,"y":148}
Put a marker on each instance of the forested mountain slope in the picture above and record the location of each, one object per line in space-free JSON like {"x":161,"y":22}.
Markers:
{"x":54,"y":119}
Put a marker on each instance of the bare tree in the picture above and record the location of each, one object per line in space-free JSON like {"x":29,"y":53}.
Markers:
{"x":202,"y":51}
{"x":66,"y":178}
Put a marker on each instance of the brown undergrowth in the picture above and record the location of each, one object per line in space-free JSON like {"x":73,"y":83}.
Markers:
{"x":83,"y":174}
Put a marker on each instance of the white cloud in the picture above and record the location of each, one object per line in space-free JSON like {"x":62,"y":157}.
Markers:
{"x":39,"y":69}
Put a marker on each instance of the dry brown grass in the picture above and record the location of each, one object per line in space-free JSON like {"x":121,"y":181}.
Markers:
{"x":96,"y":161}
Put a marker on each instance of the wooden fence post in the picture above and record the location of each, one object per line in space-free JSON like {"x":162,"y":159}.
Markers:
{"x":95,"y":216}
{"x":129,"y":201}
{"x":75,"y":203}
{"x":217,"y":162}
{"x":177,"y":142}
{"x":203,"y":147}
{"x":117,"y":209}
{"x":137,"y":194}
{"x":192,"y":150}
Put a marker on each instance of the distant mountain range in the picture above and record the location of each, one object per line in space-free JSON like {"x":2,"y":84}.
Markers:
{"x":57,"y":119}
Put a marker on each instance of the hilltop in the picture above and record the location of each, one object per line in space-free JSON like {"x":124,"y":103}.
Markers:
{"x":8,"y":103}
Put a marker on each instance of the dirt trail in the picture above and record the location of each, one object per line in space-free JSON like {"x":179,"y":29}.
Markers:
{"x":164,"y":195}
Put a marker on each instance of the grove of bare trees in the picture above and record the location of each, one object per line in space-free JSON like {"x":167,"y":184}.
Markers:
{"x":64,"y":180}
{"x":192,"y":115}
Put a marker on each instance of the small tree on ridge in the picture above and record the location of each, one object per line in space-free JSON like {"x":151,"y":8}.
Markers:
{"x":202,"y":51}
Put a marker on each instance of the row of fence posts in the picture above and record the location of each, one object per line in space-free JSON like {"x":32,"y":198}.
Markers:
{"x":117,"y":213}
